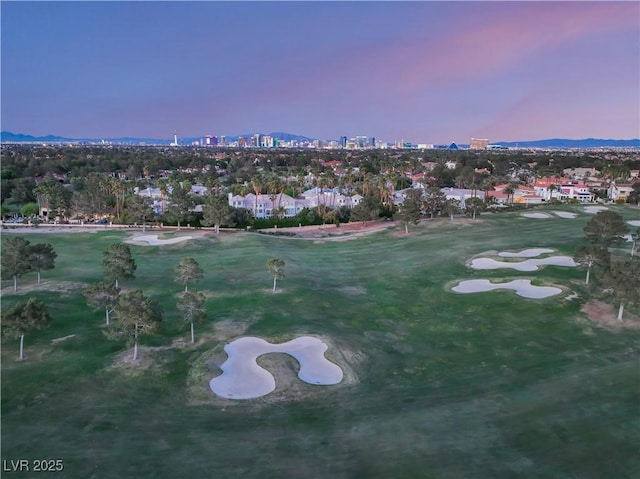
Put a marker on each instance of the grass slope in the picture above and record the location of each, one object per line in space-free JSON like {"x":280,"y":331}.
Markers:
{"x":445,"y":385}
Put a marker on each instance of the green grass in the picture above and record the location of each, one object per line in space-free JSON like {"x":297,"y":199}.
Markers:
{"x":448,"y":386}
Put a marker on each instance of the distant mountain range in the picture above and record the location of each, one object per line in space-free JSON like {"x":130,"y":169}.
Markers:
{"x":562,"y":143}
{"x":9,"y":137}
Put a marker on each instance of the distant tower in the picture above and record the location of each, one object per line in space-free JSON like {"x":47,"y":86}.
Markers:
{"x":175,"y":139}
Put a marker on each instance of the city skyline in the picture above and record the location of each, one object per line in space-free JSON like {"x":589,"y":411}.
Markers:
{"x":425,"y":72}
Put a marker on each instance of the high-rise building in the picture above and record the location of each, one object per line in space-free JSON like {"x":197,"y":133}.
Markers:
{"x":223,"y":140}
{"x":478,"y":143}
{"x":343,"y":141}
{"x":362,"y":141}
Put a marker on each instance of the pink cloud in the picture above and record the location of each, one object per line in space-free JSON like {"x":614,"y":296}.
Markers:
{"x":508,"y":35}
{"x":480,"y":40}
{"x":497,"y":52}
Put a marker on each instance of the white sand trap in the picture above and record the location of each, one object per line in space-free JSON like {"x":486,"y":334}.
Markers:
{"x":525,"y":253}
{"x":565,"y":214}
{"x":522,"y":287}
{"x":536,"y":215}
{"x":242,"y":378}
{"x":634,"y":223}
{"x":594,"y":209}
{"x":154,"y":241}
{"x":527,"y":265}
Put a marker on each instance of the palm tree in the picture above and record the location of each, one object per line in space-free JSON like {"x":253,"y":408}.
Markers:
{"x":347,"y":180}
{"x":164,"y":191}
{"x":366,"y":184}
{"x":331,"y":182}
{"x":509,"y":191}
{"x":256,"y":184}
{"x":486,"y":185}
{"x":385,"y":191}
{"x":460,"y":181}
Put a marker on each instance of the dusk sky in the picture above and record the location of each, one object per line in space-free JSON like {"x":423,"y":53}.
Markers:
{"x":426,"y":72}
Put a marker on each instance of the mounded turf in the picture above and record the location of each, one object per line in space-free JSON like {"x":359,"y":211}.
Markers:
{"x":442,"y":385}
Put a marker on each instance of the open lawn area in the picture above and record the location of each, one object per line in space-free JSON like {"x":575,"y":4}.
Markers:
{"x":437,"y":384}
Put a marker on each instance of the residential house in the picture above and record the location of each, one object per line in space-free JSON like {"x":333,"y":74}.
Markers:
{"x":619,"y":191}
{"x":580,"y":174}
{"x":562,"y":190}
{"x":498,"y":196}
{"x":267,"y":206}
{"x":526,"y":195}
{"x":577,"y":192}
{"x":329,"y":197}
{"x":462,"y":194}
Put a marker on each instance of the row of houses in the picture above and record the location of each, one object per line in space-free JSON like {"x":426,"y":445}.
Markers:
{"x":561,"y":189}
{"x":266,"y":206}
{"x":283,"y":205}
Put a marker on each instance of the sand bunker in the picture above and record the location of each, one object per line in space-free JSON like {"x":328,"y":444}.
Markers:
{"x":522,"y":287}
{"x":242,"y":378}
{"x":525,"y":253}
{"x":154,"y":241}
{"x":536,"y":215}
{"x":527,"y":265}
{"x":594,"y":209}
{"x":634,"y":223}
{"x":564,"y":214}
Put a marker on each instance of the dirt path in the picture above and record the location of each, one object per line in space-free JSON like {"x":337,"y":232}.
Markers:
{"x":345,"y":230}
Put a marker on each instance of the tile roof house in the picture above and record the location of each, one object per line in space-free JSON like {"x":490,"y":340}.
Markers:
{"x":556,"y":189}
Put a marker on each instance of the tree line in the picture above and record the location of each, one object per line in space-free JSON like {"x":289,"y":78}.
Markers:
{"x":19,"y":257}
{"x":128,"y":316}
{"x":88,"y":181}
{"x":619,"y":274}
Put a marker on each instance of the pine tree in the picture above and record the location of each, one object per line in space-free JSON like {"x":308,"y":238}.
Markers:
{"x":276,"y":268}
{"x":16,"y":259}
{"x":623,"y":278}
{"x":216,"y":211}
{"x":42,"y":256}
{"x":24,"y":317}
{"x":191,"y":308}
{"x":606,"y":228}
{"x":410,"y":209}
{"x":118,"y":262}
{"x":592,"y":255}
{"x":136,"y":316}
{"x":102,"y":295}
{"x":188,"y":271}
